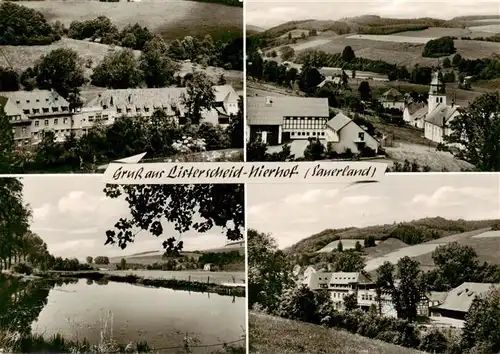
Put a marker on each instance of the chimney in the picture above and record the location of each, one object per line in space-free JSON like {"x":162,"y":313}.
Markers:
{"x":269,"y":101}
{"x":129,"y":98}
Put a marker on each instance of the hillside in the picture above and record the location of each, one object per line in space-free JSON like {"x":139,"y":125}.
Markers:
{"x":269,"y":335}
{"x":433,"y":227}
{"x":171,"y":19}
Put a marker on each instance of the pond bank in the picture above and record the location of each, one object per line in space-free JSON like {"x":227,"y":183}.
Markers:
{"x":157,"y":283}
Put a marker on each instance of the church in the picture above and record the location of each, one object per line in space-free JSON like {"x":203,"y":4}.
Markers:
{"x":438,"y":114}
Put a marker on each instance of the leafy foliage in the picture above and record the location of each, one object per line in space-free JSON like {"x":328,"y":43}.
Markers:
{"x":20,"y":25}
{"x":118,"y":70}
{"x":151,"y":206}
{"x":439,"y":47}
{"x":476,"y":133}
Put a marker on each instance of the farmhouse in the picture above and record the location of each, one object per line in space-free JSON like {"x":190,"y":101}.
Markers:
{"x":458,"y":301}
{"x":414,"y":114}
{"x":345,"y":134}
{"x":207,"y":267}
{"x":392,"y":99}
{"x":439,"y":112}
{"x":283,"y":118}
{"x":108,"y":105}
{"x":274,"y":119}
{"x":336,"y":80}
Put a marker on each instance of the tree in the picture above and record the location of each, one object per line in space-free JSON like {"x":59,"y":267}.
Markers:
{"x":8,"y":159}
{"x":221,"y":80}
{"x":157,"y":68}
{"x":476,"y":132}
{"x":118,"y":70}
{"x":313,"y":32}
{"x":62,"y":71}
{"x":199,"y":96}
{"x":348,"y":54}
{"x":9,"y":80}
{"x":349,"y":261}
{"x":457,"y":60}
{"x":89,"y":259}
{"x":455,"y":264}
{"x":446,"y":63}
{"x":350,"y":302}
{"x":315,"y":150}
{"x":123,"y":264}
{"x":481,"y":323}
{"x":369,"y":242}
{"x":434,"y":342}
{"x":269,"y":272}
{"x":340,"y":246}
{"x":298,"y":303}
{"x":407,"y":294}
{"x":358,"y":247}
{"x":287,"y":53}
{"x":101,"y":260}
{"x":439,"y":47}
{"x":309,"y":79}
{"x":365,"y":92}
{"x":151,"y":206}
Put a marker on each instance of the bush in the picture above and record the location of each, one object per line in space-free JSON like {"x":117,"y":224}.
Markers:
{"x":22,"y":268}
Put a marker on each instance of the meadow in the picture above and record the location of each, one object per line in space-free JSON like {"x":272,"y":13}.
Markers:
{"x":171,"y":19}
{"x":269,"y":335}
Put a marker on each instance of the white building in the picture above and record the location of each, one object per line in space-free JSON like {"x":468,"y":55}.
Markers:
{"x":31,"y":112}
{"x":439,"y":114}
{"x":392,"y":99}
{"x":109,"y":105}
{"x":414,"y":114}
{"x":345,"y":134}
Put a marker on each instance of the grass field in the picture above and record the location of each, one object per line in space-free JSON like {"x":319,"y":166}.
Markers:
{"x":171,"y":19}
{"x":270,"y":335}
{"x":401,"y":48}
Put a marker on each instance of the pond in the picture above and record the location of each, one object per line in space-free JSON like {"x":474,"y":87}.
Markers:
{"x":126,"y":313}
{"x":193,"y":275}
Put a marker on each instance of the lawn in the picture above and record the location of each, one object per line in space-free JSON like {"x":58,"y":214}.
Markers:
{"x":171,"y":19}
{"x":270,"y":335}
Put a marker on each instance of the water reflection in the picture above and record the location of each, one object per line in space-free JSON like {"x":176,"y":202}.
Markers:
{"x":74,"y":309}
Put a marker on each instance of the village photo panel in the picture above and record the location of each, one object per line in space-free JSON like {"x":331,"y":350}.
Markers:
{"x":92,"y":268}
{"x":373,"y":81}
{"x":407,"y":264}
{"x":83,"y":84}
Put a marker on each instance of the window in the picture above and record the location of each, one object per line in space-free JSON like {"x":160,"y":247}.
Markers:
{"x":118,"y":110}
{"x":18,"y":102}
{"x":361,"y":136}
{"x":26,"y":111}
{"x":37,"y":100}
{"x":37,"y":123}
{"x":27,"y":101}
{"x":56,"y":121}
{"x":105,"y":117}
{"x":55,"y":109}
{"x":146,"y":109}
{"x":24,"y":130}
{"x":91,"y":118}
{"x":104,"y":106}
{"x":129,"y":110}
{"x":137,"y":109}
{"x":65,"y":120}
{"x":292,"y":134}
{"x":45,"y":110}
{"x":46,"y":122}
{"x":14,"y":131}
{"x":64,"y":108}
{"x":36,"y":110}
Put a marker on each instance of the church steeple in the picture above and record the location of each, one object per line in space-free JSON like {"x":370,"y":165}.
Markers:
{"x":437,"y":91}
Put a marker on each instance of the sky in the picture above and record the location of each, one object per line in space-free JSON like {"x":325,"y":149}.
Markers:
{"x":266,"y":14}
{"x":72,"y":213}
{"x":292,"y":212}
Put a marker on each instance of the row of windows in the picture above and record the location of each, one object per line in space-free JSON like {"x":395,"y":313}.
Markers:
{"x":366,"y":297}
{"x":56,"y":122}
{"x":46,"y":110}
{"x":38,"y":100}
{"x":307,"y":133}
{"x":304,"y":123}
{"x":339,"y":295}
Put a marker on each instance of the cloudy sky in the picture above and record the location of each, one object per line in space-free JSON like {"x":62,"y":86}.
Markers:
{"x":293,"y":212}
{"x":266,"y":14}
{"x":72,"y":213}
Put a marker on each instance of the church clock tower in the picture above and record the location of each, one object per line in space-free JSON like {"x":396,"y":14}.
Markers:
{"x":437,"y":91}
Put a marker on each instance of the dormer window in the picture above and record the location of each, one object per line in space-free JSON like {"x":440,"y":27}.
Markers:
{"x":37,"y":100}
{"x":118,"y":110}
{"x":27,"y":101}
{"x":55,"y":109}
{"x":104,"y":106}
{"x":45,"y":110}
{"x":26,"y":111}
{"x":56,"y":98}
{"x":64,"y":108}
{"x":18,"y":102}
{"x":36,"y":110}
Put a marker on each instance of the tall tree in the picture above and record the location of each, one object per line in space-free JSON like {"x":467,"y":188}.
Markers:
{"x":365,"y":92}
{"x":455,"y":264}
{"x":199,"y":96}
{"x":405,"y":284}
{"x":158,"y":69}
{"x":8,"y":159}
{"x":348,"y":54}
{"x":118,"y":70}
{"x":476,"y":132}
{"x":61,"y":70}
{"x":269,"y":271}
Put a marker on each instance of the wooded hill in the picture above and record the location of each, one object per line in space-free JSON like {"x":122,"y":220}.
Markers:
{"x":372,"y":24}
{"x":411,"y":232}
